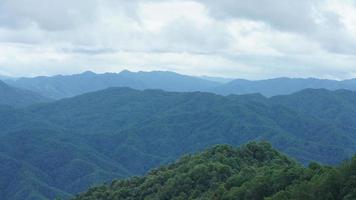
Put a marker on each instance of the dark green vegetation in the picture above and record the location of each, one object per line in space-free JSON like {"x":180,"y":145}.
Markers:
{"x":252,"y":172}
{"x":62,"y":148}
{"x":58,"y":87}
{"x":18,"y":97}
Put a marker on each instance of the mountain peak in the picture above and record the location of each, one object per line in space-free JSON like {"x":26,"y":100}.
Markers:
{"x":125,"y":71}
{"x":88,"y":73}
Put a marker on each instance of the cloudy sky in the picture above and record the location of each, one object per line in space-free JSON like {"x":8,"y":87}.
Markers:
{"x":252,"y":39}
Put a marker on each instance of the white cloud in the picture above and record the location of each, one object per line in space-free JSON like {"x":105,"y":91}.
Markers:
{"x":247,"y":39}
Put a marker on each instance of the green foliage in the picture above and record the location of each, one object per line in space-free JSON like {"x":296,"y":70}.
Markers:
{"x":253,"y":172}
{"x":330,"y":183}
{"x":63,"y":148}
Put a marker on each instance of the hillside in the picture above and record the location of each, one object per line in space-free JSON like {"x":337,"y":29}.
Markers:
{"x":203,"y":119}
{"x":252,"y":172}
{"x":64,"y":86}
{"x":2,"y":77}
{"x":66,"y":146}
{"x":18,"y":97}
{"x":58,"y":87}
{"x":281,"y":86}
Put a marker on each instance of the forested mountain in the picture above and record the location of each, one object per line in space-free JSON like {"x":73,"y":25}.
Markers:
{"x":5,"y":77}
{"x":18,"y":97}
{"x":58,"y":87}
{"x":216,"y":79}
{"x":252,"y":172}
{"x":280,"y":86}
{"x":66,"y":146}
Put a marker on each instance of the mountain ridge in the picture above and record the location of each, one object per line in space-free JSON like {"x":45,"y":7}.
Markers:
{"x":17,"y":97}
{"x":282,"y":85}
{"x":114,"y":133}
{"x":61,"y":86}
{"x":64,"y":86}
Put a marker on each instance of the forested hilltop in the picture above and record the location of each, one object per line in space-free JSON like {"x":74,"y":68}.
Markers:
{"x":252,"y":172}
{"x":65,"y":147}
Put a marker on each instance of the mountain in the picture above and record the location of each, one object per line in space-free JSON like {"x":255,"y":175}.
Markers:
{"x":204,"y":118}
{"x":280,"y":86}
{"x":338,"y":107}
{"x":58,"y":87}
{"x":216,"y":79}
{"x":66,"y":146}
{"x":18,"y":97}
{"x":6,"y":77}
{"x":253,"y":172}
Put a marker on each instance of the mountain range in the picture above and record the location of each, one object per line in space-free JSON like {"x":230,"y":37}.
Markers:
{"x":64,"y":147}
{"x":279,"y":86}
{"x":58,"y":87}
{"x":64,"y":86}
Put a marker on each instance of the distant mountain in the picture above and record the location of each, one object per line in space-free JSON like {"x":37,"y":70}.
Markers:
{"x":58,"y":87}
{"x":252,"y":172}
{"x":216,"y":79}
{"x":280,"y":86}
{"x":18,"y":97}
{"x":6,"y":77}
{"x":334,"y":106}
{"x":64,"y":147}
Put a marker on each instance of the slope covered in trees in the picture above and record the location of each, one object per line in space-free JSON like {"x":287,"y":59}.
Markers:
{"x":253,"y":172}
{"x":66,"y":146}
{"x":18,"y":97}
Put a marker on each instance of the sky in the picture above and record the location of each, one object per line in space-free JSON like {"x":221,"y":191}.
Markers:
{"x":254,"y":39}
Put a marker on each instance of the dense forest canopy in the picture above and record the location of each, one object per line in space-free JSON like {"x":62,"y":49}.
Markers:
{"x":252,"y":172}
{"x":66,"y":146}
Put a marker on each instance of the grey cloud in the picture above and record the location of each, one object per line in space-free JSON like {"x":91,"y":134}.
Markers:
{"x":337,"y":41}
{"x":287,"y":15}
{"x":48,"y":15}
{"x":183,"y":36}
{"x":303,"y":17}
{"x":100,"y":33}
{"x":333,"y":36}
{"x":57,"y":15}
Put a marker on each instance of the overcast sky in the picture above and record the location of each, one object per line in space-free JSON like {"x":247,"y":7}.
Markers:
{"x":252,"y":39}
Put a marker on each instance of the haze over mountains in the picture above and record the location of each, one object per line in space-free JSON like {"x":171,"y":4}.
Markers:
{"x":66,"y":146}
{"x":57,"y":87}
{"x":278,"y":86}
{"x":218,"y":131}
